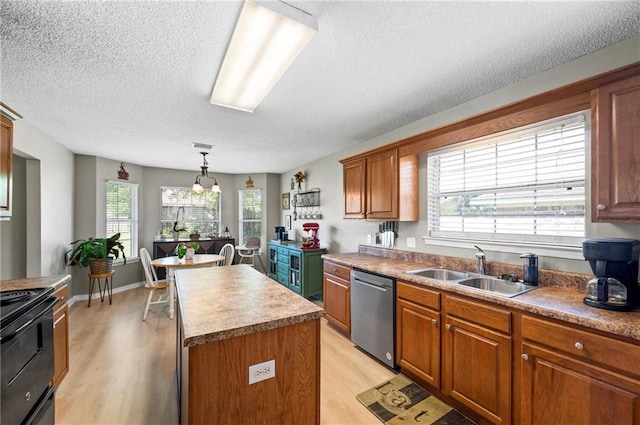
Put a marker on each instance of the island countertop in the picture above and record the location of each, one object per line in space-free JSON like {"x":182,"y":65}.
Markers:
{"x":225,"y":302}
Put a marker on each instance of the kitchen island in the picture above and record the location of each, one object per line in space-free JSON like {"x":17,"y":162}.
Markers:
{"x":234,"y":317}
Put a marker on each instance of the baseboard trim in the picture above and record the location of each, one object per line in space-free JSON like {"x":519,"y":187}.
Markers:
{"x":85,"y":297}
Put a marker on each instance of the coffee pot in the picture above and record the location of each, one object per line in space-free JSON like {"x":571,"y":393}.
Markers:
{"x":614,"y":261}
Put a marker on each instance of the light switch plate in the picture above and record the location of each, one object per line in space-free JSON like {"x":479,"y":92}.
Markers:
{"x":262,"y":371}
{"x":411,"y":242}
{"x":368,"y":238}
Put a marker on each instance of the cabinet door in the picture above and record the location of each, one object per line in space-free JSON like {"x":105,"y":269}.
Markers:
{"x":418,"y":341}
{"x":478,"y":369}
{"x":295,"y":268}
{"x":60,"y":344}
{"x":273,"y":263}
{"x":382,"y":185}
{"x":354,"y":174}
{"x":6,"y":165}
{"x":337,"y":302}
{"x":560,"y":390}
{"x":615,"y":152}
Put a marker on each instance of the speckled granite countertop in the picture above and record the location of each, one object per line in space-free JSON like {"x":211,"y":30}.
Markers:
{"x":225,"y":302}
{"x":34,"y":282}
{"x":557,"y":302}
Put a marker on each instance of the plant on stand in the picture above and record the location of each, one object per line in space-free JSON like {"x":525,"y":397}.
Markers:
{"x":186,"y":249}
{"x":96,"y":253}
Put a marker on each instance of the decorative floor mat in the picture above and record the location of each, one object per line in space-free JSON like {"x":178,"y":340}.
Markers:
{"x":401,"y":401}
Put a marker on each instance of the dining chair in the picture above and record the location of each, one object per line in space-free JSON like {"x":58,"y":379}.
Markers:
{"x":153,"y":283}
{"x":250,"y":250}
{"x":228,"y":252}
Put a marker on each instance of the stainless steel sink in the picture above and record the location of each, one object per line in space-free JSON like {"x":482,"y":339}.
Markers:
{"x":440,"y":274}
{"x":497,"y":286}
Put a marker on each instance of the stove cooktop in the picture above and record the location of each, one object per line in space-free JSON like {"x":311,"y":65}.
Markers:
{"x":15,"y":302}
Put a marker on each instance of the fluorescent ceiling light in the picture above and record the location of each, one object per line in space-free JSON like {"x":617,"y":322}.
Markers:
{"x":267,"y":39}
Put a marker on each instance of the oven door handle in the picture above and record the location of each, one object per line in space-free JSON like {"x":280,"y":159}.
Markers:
{"x":49,"y":305}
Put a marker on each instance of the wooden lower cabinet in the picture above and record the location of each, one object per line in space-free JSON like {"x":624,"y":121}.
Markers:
{"x":418,"y":332}
{"x":336,"y":295}
{"x":60,"y":335}
{"x":213,"y":378}
{"x":477,"y":358}
{"x":572,"y":376}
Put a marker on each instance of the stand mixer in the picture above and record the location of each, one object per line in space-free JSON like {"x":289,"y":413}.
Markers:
{"x":311,"y":241}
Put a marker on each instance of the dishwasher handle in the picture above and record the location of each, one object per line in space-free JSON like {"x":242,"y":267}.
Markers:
{"x":379,"y":288}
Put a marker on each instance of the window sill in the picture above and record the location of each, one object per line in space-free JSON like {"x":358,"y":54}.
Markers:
{"x":555,"y":251}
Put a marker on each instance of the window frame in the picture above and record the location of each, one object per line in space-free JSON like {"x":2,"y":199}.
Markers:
{"x":241,"y":220}
{"x":571,"y":250}
{"x":217,"y":222}
{"x":134,"y":222}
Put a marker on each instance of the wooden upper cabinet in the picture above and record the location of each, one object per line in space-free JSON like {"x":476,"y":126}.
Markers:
{"x":354,"y":178}
{"x":6,"y":165}
{"x":615,"y":151}
{"x":381,"y":186}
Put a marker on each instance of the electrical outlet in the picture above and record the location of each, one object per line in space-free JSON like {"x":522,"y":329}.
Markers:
{"x":411,"y":242}
{"x":368,"y":238}
{"x":262,"y":371}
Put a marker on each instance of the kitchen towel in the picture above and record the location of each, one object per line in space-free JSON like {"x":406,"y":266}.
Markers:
{"x":401,"y":401}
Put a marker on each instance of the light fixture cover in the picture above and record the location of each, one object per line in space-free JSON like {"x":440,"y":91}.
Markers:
{"x":267,"y":38}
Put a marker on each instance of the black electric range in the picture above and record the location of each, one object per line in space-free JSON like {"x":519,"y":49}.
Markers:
{"x":26,"y":356}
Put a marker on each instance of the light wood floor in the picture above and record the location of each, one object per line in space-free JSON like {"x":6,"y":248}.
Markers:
{"x":122,"y":369}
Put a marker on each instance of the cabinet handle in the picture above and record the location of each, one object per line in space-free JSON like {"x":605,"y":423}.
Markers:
{"x":579,"y":346}
{"x":601,"y":207}
{"x":448,"y":326}
{"x":525,"y":357}
{"x":434,"y":321}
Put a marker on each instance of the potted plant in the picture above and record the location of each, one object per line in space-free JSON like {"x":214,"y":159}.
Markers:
{"x":97,"y":253}
{"x":194,"y":235}
{"x":187,"y":249}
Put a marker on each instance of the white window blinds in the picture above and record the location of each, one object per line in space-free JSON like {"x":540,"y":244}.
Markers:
{"x":525,"y":185}
{"x":122,"y":214}
{"x":190,"y":212}
{"x":250,"y":208}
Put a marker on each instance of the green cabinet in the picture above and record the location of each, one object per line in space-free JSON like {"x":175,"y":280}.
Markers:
{"x":298,"y":269}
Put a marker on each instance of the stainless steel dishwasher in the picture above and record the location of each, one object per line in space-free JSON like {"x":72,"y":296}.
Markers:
{"x":373,"y":314}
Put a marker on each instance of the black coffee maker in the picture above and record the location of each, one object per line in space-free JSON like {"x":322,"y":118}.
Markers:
{"x":281,"y":234}
{"x":614,"y":261}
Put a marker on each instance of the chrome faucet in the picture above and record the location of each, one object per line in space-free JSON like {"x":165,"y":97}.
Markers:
{"x":480,"y":260}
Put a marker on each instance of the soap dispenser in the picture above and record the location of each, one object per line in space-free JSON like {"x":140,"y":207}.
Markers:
{"x":530,"y":268}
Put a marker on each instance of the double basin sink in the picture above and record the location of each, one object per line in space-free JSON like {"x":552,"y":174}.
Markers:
{"x":473,"y":280}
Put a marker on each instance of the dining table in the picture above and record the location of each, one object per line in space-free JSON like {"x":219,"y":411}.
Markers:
{"x":173,"y":262}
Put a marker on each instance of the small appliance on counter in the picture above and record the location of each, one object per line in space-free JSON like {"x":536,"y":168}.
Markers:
{"x":281,"y":233}
{"x":614,"y":261}
{"x":310,"y":236}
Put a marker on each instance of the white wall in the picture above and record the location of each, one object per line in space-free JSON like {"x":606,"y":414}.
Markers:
{"x":49,"y":211}
{"x":342,"y":235}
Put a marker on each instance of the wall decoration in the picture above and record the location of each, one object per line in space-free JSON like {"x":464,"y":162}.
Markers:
{"x":286,"y":201}
{"x":287,"y":222}
{"x":122,"y":173}
{"x":299,"y":178}
{"x":249,"y":183}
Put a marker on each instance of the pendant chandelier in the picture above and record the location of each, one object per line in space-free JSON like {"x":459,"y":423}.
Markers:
{"x":197,"y":186}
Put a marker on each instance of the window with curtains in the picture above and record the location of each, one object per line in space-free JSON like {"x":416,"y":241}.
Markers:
{"x":250,"y":220}
{"x":122,"y":214}
{"x":190,"y":211}
{"x":525,"y":185}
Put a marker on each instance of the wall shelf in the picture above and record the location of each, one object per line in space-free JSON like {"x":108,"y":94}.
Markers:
{"x":307,"y":198}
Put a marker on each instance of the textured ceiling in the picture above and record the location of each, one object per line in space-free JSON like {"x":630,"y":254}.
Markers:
{"x":131,"y":80}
